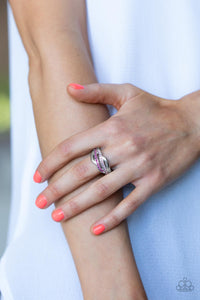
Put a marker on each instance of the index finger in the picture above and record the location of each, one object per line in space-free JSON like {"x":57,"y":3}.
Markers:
{"x":72,"y":147}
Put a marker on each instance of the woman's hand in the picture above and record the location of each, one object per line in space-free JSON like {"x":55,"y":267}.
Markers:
{"x":149,"y":142}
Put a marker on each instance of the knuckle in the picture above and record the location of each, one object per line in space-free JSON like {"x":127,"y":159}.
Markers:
{"x":132,"y":91}
{"x":145,"y":162}
{"x":128,"y":86}
{"x":161,"y":175}
{"x":128,"y":90}
{"x":115,"y":126}
{"x":130,"y":144}
{"x":145,"y":158}
{"x":80,"y":171}
{"x":135,"y":143}
{"x":114,"y":219}
{"x":159,"y":178}
{"x":43,"y":167}
{"x":54,"y":190}
{"x":132,"y":205}
{"x":65,"y":147}
{"x":99,"y":87}
{"x":101,"y":189}
{"x":73,"y":207}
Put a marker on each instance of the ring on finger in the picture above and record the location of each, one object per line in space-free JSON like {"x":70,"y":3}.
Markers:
{"x":100,"y":161}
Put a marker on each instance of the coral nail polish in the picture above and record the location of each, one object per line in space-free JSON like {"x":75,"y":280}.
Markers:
{"x":41,"y":201}
{"x":58,"y":215}
{"x":98,"y":229}
{"x":37,"y":177}
{"x":76,"y":86}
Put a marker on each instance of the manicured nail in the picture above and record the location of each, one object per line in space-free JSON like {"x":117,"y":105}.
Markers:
{"x":37,"y":177}
{"x":76,"y":86}
{"x":98,"y":229}
{"x":58,"y":215}
{"x":41,"y":201}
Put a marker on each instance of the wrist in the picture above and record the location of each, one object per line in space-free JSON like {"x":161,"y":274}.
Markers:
{"x":190,"y":106}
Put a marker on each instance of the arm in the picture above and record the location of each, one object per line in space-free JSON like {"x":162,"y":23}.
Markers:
{"x":55,"y":37}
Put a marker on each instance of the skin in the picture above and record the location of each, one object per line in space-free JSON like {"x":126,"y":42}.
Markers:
{"x":55,"y":38}
{"x":149,"y":142}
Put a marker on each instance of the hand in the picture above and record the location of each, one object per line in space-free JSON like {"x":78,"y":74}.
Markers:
{"x":149,"y":142}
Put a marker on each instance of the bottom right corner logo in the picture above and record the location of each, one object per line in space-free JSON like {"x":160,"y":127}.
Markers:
{"x":185,"y":285}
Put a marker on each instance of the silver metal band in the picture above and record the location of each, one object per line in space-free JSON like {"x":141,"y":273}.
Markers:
{"x":100,"y":161}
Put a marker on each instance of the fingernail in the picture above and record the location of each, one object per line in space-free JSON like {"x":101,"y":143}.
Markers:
{"x":41,"y":201}
{"x":98,"y":229}
{"x":37,"y":177}
{"x":58,"y":215}
{"x":76,"y":86}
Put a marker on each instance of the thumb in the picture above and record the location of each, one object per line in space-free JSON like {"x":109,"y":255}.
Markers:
{"x":113,"y":94}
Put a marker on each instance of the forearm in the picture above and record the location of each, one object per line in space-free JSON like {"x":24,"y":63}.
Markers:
{"x":57,"y":117}
{"x":107,"y":260}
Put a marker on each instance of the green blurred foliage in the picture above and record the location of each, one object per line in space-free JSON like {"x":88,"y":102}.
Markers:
{"x":4,"y":105}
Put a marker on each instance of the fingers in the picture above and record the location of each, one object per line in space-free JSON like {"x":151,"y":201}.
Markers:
{"x":75,"y":176}
{"x":95,"y":193}
{"x":125,"y":208}
{"x":66,"y":183}
{"x":74,"y":146}
{"x":113,"y":94}
{"x":83,"y":142}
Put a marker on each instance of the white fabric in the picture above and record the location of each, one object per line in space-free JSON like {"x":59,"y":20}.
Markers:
{"x":154,"y":45}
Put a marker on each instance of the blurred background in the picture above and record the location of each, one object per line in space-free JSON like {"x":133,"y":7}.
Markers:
{"x":5,"y":173}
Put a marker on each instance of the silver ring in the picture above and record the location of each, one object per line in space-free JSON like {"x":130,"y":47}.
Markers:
{"x":100,"y":161}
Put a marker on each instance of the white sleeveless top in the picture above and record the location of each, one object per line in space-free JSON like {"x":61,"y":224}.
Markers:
{"x":154,"y":45}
